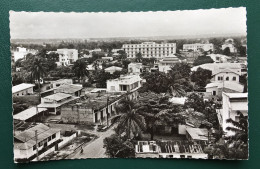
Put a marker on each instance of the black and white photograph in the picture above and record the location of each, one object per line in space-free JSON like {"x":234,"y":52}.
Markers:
{"x":156,"y":84}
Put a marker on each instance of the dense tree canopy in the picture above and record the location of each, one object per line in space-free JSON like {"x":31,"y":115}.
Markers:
{"x":202,"y":60}
{"x":201,"y":77}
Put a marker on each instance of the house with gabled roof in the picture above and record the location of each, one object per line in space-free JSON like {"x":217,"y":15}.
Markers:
{"x":39,"y":138}
{"x":22,"y":89}
{"x":226,"y":75}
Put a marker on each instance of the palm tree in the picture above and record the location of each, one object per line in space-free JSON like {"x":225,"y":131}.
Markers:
{"x":38,"y":71}
{"x":80,"y":70}
{"x":129,"y":121}
{"x":240,"y":128}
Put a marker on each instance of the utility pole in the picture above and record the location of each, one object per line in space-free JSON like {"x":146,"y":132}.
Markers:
{"x":36,"y":140}
{"x":107,"y":110}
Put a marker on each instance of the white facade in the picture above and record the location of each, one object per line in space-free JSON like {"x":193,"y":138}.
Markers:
{"x":167,"y":62}
{"x":233,"y":102}
{"x":135,"y":68}
{"x":218,"y":58}
{"x":150,"y":49}
{"x":22,"y":89}
{"x":67,"y":56}
{"x":113,"y":69}
{"x":127,"y":83}
{"x":230,"y":46}
{"x":197,"y":46}
{"x":21,"y":53}
{"x":226,"y":75}
{"x":25,"y":144}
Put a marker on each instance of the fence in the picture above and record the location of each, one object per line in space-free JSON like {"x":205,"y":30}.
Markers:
{"x":66,"y":140}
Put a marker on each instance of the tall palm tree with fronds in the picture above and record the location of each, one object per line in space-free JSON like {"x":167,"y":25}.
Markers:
{"x":38,"y":71}
{"x":240,"y":128}
{"x":129,"y":121}
{"x":80,"y":70}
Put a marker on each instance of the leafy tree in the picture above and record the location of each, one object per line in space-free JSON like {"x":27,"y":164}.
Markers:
{"x":242,"y":51}
{"x":217,"y":42}
{"x":101,"y":78}
{"x":157,"y":110}
{"x":139,"y":57}
{"x":243,"y":80}
{"x":129,"y":121}
{"x":80,"y":70}
{"x":116,"y":147}
{"x":155,"y":82}
{"x":125,"y":63}
{"x":226,"y":51}
{"x":202,"y":60}
{"x":195,"y":101}
{"x":18,"y":63}
{"x":201,"y":77}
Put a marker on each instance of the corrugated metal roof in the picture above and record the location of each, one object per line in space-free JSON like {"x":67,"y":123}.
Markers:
{"x":58,"y":96}
{"x":198,"y":133}
{"x":28,"y":136}
{"x":28,"y":113}
{"x":68,"y":88}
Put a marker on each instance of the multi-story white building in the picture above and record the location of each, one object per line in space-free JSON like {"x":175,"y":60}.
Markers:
{"x":198,"y":46}
{"x":150,"y":49}
{"x":67,"y":56}
{"x":233,"y":102}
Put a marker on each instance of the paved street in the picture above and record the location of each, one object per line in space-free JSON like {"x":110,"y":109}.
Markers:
{"x":95,"y":148}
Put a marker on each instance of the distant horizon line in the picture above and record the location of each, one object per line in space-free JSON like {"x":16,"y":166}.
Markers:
{"x":131,"y":37}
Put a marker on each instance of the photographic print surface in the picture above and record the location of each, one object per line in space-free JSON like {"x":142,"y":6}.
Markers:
{"x":165,"y":84}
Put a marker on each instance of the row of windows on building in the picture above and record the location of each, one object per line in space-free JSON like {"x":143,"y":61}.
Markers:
{"x":148,"y":49}
{"x":45,"y":141}
{"x":234,"y":78}
{"x":151,"y":45}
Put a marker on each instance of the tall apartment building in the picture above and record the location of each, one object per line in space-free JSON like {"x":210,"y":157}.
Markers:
{"x":150,"y":49}
{"x":67,"y":56}
{"x":197,"y":46}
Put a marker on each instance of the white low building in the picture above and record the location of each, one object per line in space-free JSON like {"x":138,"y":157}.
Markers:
{"x":126,"y":83}
{"x":170,"y":149}
{"x":198,"y":46}
{"x":233,"y":102}
{"x":54,"y":102}
{"x":26,"y":145}
{"x":22,"y":89}
{"x":135,"y":68}
{"x":240,"y":68}
{"x":226,"y":75}
{"x":231,"y":47}
{"x":216,"y":88}
{"x":113,"y":69}
{"x":218,"y":58}
{"x":21,"y":53}
{"x":167,"y":62}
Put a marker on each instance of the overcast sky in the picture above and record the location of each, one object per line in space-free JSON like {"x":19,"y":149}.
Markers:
{"x":127,"y":24}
